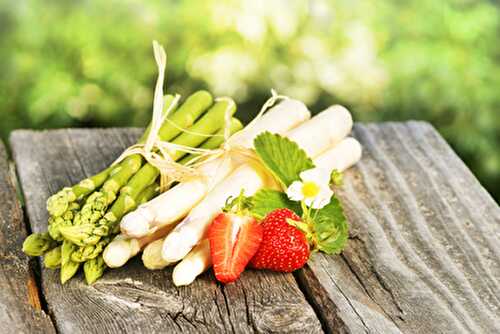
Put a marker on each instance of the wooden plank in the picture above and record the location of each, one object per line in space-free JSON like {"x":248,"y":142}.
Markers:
{"x":20,"y":305}
{"x":133,"y":299}
{"x":424,"y":255}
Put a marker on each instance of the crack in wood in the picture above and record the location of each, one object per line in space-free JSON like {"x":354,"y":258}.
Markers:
{"x":369,"y":294}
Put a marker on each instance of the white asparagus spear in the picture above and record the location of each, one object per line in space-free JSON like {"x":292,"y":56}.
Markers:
{"x":194,"y":264}
{"x":123,"y":248}
{"x":151,"y":256}
{"x":174,"y":204}
{"x":333,"y":124}
{"x":340,"y":157}
{"x":323,"y":131}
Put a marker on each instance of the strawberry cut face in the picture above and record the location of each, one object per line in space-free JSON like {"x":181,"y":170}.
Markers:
{"x":234,"y":239}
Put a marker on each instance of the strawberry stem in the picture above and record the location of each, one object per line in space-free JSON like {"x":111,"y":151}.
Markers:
{"x":306,"y":225}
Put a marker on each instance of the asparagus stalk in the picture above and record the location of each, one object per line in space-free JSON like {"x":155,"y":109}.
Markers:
{"x":90,"y":233}
{"x":340,"y":157}
{"x":178,"y":201}
{"x":37,"y":244}
{"x":314,"y":137}
{"x":94,"y":269}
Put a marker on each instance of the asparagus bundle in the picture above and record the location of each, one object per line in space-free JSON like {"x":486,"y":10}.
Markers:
{"x":84,"y":217}
{"x":154,"y":218}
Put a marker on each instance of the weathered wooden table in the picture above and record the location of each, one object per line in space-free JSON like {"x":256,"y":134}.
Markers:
{"x":423,"y":254}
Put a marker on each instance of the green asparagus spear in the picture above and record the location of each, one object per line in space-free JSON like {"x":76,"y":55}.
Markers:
{"x":68,"y":267}
{"x":37,"y":244}
{"x":194,"y":106}
{"x":216,"y":140}
{"x":210,"y":123}
{"x":52,"y":258}
{"x":94,"y":269}
{"x":148,"y":193}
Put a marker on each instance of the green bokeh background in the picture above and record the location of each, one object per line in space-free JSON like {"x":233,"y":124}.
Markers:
{"x":89,"y":63}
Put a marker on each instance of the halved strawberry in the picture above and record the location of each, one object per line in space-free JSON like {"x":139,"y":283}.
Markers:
{"x":234,"y":239}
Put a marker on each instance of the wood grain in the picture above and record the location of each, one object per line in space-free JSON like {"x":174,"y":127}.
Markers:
{"x":20,"y":305}
{"x":424,"y":253}
{"x":133,"y":299}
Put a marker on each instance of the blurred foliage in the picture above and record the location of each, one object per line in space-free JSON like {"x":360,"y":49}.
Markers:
{"x":89,"y":63}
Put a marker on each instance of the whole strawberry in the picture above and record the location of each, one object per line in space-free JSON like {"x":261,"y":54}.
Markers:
{"x":284,"y":247}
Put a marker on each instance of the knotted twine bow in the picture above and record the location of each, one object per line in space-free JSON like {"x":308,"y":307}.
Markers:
{"x":158,"y":152}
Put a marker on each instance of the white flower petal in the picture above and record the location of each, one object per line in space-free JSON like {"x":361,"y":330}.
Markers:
{"x":294,"y":191}
{"x":319,"y":176}
{"x":322,"y":199}
{"x":308,"y":201}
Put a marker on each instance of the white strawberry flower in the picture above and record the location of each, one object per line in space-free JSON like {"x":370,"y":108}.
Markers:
{"x":313,"y":188}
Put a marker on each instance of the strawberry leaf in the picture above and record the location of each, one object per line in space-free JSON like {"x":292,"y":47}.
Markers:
{"x":330,"y":227}
{"x":267,"y":200}
{"x":282,"y":157}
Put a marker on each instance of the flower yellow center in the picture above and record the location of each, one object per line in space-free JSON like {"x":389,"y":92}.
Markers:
{"x":310,"y":189}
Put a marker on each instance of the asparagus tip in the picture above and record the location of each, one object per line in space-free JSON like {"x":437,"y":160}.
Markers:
{"x":36,"y":244}
{"x":136,"y":223}
{"x":68,"y":270}
{"x":117,"y":253}
{"x":151,"y":256}
{"x":78,"y":234}
{"x":52,"y":259}
{"x":94,"y":269}
{"x":58,"y":203}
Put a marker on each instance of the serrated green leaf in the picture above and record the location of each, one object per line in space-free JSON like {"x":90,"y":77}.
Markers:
{"x":282,"y":157}
{"x":330,"y":227}
{"x":267,"y":200}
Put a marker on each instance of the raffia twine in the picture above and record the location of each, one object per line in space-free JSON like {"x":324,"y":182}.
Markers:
{"x":158,"y":152}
